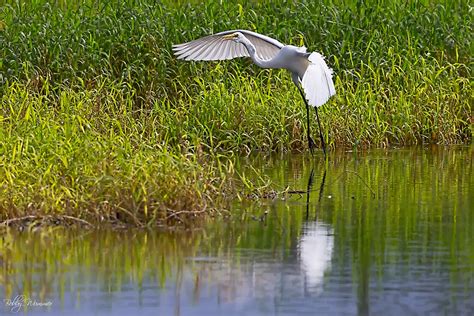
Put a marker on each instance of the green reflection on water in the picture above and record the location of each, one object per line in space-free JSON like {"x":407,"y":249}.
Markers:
{"x":392,"y":196}
{"x":409,"y":206}
{"x":386,"y":208}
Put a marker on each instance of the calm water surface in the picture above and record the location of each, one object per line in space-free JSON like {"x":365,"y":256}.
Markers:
{"x":384,"y":232}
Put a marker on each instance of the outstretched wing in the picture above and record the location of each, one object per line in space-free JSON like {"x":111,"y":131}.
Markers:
{"x":213,"y":47}
{"x":317,"y":81}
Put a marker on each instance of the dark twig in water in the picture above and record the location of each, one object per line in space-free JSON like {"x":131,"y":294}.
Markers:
{"x":261,"y":218}
{"x":359,"y":176}
{"x":135,"y":219}
{"x":362,"y":179}
{"x":297,"y":191}
{"x":76,"y":219}
{"x":22,"y":219}
{"x":272,"y":194}
{"x":178,"y":213}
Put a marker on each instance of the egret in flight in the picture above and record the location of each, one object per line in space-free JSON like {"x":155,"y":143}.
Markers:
{"x":309,"y":71}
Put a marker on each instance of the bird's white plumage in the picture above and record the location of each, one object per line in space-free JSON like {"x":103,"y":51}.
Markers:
{"x":317,"y":81}
{"x":214,"y":47}
{"x":313,"y":73}
{"x":308,"y":71}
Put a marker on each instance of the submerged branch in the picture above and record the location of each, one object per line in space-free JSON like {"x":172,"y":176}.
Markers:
{"x":59,"y":219}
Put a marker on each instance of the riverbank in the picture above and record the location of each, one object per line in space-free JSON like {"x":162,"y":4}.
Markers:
{"x":99,"y":123}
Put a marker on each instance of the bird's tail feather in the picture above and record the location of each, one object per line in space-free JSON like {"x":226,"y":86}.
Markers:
{"x":317,"y":81}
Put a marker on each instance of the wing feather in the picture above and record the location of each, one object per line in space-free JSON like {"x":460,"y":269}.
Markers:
{"x":242,"y":52}
{"x":317,"y":81}
{"x":201,"y":51}
{"x":212,"y":47}
{"x":215,"y":51}
{"x":186,"y":49}
{"x":225,"y":51}
{"x":208,"y":49}
{"x":192,"y":51}
{"x":233,"y":51}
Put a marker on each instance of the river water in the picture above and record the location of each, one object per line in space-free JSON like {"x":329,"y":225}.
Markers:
{"x":381,"y":232}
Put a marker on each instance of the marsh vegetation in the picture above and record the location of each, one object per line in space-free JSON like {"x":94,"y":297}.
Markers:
{"x":100,"y":123}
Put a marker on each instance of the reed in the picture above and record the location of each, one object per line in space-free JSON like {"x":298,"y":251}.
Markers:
{"x":62,"y":157}
{"x":97,"y":115}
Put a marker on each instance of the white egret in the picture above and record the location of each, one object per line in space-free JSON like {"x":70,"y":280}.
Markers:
{"x":309,"y":71}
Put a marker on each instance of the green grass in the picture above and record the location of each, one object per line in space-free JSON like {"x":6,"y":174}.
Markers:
{"x":72,"y":160}
{"x":97,"y":115}
{"x":402,"y":71}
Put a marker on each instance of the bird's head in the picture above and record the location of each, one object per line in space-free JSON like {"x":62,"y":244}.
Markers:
{"x":236,"y":37}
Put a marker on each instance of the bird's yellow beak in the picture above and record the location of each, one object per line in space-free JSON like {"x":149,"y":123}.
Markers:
{"x":229,"y":36}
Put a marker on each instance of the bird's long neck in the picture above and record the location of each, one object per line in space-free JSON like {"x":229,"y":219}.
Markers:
{"x":253,"y":55}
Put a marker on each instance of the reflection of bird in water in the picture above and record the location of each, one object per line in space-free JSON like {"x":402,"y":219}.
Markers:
{"x":316,"y":243}
{"x":315,"y":251}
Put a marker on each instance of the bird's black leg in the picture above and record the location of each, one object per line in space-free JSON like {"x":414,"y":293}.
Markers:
{"x":321,"y":187}
{"x":308,"y":191}
{"x":310,"y":140}
{"x":320,"y":132}
{"x":311,"y":144}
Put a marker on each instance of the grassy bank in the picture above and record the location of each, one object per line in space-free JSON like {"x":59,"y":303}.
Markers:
{"x":99,"y":121}
{"x":72,"y":162}
{"x":401,"y":70}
